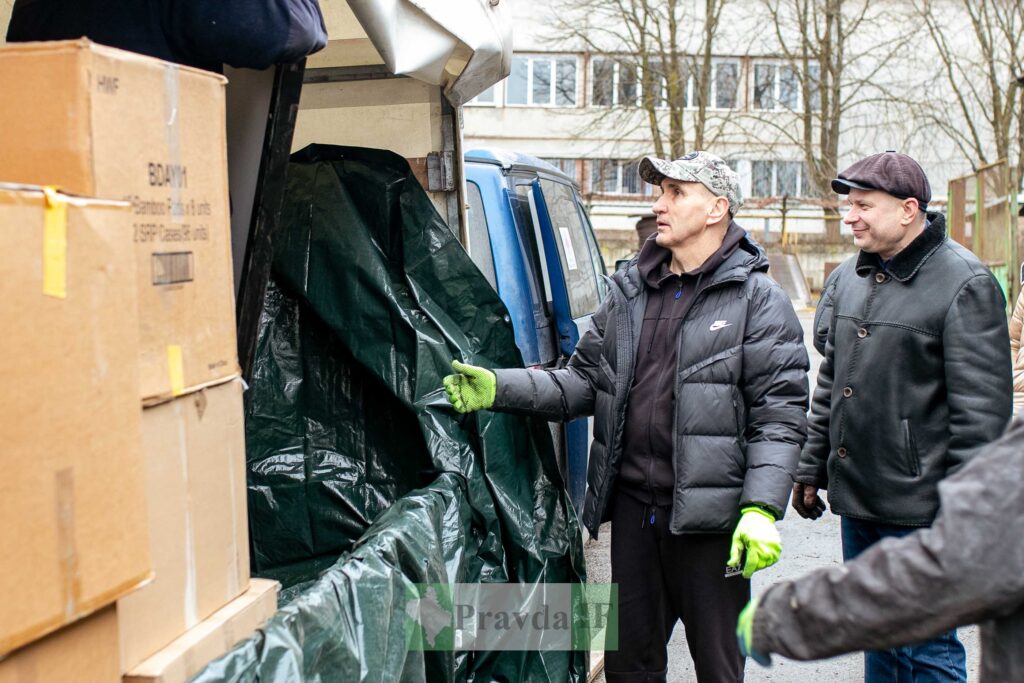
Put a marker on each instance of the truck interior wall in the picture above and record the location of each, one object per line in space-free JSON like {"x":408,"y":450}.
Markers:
{"x":397,"y":114}
{"x":348,"y":44}
{"x":248,"y":103}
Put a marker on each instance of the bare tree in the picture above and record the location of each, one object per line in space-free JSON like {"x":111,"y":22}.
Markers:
{"x":822,"y":47}
{"x":982,"y":61}
{"x":662,"y":53}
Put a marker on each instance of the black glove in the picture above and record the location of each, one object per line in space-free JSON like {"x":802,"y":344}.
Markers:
{"x":806,"y":501}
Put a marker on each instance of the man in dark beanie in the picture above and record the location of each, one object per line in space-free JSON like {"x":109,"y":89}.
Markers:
{"x":915,"y":380}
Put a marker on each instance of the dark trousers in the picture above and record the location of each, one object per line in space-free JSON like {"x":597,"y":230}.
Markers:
{"x":938,"y":660}
{"x":663,"y":578}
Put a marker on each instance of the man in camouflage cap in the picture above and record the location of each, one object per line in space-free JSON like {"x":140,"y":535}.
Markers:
{"x":698,"y":167}
{"x":695,"y":370}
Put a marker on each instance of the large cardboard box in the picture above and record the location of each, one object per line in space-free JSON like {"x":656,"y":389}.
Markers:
{"x":83,"y":651}
{"x":108,"y":123}
{"x":73,"y":535}
{"x":185,"y":657}
{"x":195,"y":480}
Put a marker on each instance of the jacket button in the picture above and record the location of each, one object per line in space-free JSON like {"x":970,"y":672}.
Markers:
{"x":847,"y":392}
{"x":880,"y":278}
{"x":862,"y":332}
{"x":841,"y":451}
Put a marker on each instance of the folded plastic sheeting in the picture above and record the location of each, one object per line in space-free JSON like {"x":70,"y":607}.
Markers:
{"x":357,"y":464}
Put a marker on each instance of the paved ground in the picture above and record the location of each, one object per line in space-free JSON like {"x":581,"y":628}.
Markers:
{"x":806,"y":546}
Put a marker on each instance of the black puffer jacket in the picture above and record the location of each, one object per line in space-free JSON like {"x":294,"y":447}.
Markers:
{"x":740,"y":393}
{"x":916,"y":378}
{"x":967,"y":568}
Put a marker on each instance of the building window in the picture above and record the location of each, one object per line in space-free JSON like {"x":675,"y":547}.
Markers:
{"x":814,"y":86}
{"x":725,"y":78}
{"x":604,"y":178}
{"x":486,"y":98}
{"x":615,"y":83}
{"x":771,"y":178}
{"x":777,"y":86}
{"x":615,"y":176}
{"x":542,"y":82}
{"x":566,"y":166}
{"x":659,"y":80}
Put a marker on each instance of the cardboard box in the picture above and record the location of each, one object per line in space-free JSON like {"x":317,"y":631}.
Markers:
{"x":74,"y":535}
{"x":83,"y":651}
{"x":186,"y":656}
{"x":195,"y":481}
{"x":103,"y":122}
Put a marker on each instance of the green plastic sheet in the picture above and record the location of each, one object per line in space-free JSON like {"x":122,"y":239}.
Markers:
{"x":362,"y":481}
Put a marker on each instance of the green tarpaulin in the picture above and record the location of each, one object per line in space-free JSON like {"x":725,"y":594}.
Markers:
{"x":359,"y":473}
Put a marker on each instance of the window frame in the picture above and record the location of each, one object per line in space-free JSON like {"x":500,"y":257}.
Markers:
{"x":553,"y":59}
{"x":621,"y":166}
{"x":662,"y":101}
{"x":713,"y":90}
{"x":777,"y":66}
{"x":499,"y":97}
{"x":616,"y":67}
{"x":802,"y":186}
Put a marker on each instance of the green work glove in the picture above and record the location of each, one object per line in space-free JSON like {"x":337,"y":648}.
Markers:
{"x":757,"y":539}
{"x":745,"y":635}
{"x":471,"y":389}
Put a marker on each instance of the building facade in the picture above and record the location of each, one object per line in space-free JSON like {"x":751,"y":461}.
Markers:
{"x":577,"y":100}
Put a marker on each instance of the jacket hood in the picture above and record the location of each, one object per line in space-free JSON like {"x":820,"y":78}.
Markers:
{"x":904,"y":265}
{"x":738,"y":256}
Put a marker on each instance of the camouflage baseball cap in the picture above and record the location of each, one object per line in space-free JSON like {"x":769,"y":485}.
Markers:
{"x":705,"y":168}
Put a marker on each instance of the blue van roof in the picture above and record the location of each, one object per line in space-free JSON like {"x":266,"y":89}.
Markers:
{"x":508,"y":160}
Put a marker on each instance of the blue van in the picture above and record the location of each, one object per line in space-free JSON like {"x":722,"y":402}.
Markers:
{"x":530,"y":235}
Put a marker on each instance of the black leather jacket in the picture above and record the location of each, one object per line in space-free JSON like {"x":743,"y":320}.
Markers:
{"x":916,"y":378}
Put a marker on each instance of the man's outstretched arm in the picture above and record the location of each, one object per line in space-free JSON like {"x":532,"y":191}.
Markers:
{"x":968,"y":567}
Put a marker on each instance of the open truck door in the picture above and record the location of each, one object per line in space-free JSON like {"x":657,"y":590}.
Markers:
{"x":574,"y":268}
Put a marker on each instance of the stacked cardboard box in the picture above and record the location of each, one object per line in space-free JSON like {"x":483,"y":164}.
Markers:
{"x":83,"y":651}
{"x":75,"y":536}
{"x":101,"y":122}
{"x":151,"y":134}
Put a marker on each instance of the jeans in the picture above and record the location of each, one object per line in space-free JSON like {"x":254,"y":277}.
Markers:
{"x":939,"y":660}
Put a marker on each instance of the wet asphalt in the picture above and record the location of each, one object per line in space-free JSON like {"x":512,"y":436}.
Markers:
{"x":806,"y":546}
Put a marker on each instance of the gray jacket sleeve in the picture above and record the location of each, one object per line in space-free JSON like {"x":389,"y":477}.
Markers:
{"x":968,"y":567}
{"x":557,"y":395}
{"x":979,"y":376}
{"x":813,"y":468}
{"x":774,"y":385}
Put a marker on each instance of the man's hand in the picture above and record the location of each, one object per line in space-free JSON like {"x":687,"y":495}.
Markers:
{"x":472,"y":388}
{"x":756,"y":539}
{"x":806,"y":501}
{"x":745,"y":635}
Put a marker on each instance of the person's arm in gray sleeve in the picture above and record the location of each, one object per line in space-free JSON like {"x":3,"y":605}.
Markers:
{"x":774,"y":385}
{"x":968,"y":567}
{"x":979,"y":375}
{"x":557,"y":395}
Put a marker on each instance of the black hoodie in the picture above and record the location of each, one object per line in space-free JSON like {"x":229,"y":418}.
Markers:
{"x":646,"y":472}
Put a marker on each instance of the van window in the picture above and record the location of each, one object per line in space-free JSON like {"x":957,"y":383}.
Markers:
{"x":479,"y":235}
{"x":536,"y":267}
{"x":573,"y":248}
{"x":539,"y":283}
